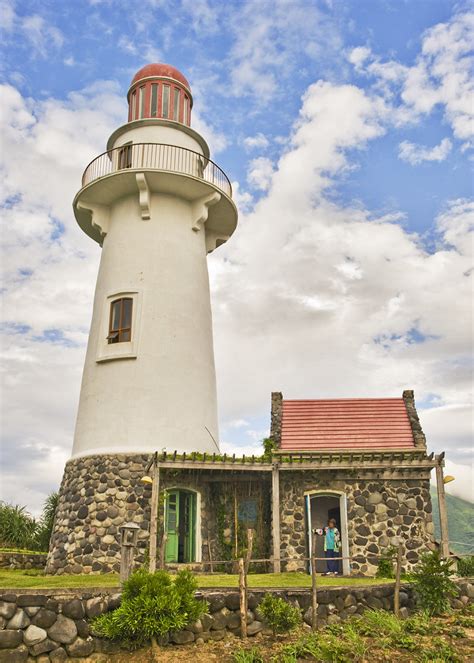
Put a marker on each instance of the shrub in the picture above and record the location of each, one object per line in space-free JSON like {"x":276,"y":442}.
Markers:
{"x":253,"y":655}
{"x":152,"y":605}
{"x":385,"y":567}
{"x":376,"y":623}
{"x":281,"y":616}
{"x":433,"y":584}
{"x":466,"y":567}
{"x":17,"y":527}
{"x":46,"y":523}
{"x":333,"y":645}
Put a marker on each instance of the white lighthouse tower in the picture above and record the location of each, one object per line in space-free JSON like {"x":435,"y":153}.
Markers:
{"x":157,"y":205}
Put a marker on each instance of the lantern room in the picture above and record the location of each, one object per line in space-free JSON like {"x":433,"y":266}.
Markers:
{"x":160,"y":91}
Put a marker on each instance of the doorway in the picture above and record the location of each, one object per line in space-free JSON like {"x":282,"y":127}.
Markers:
{"x":320,"y":507}
{"x":180,"y":526}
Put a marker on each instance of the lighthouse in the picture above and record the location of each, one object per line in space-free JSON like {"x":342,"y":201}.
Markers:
{"x":157,"y":205}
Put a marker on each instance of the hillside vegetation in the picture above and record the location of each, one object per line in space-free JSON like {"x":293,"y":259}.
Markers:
{"x":460,"y":522}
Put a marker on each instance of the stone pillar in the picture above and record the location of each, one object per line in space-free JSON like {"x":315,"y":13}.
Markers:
{"x":418,"y":435}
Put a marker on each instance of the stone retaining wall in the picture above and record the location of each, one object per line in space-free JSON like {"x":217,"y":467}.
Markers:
{"x":13,"y":560}
{"x":53,"y":626}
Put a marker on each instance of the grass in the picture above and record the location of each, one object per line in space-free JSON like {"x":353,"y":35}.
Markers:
{"x":34,"y":579}
{"x":22,"y":551}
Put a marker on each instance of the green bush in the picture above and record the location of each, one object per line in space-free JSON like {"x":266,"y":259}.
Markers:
{"x":386,"y":564}
{"x":17,"y":527}
{"x":335,"y":645}
{"x":433,"y":584}
{"x":253,"y":655}
{"x":19,"y":530}
{"x":466,"y":567}
{"x":152,"y":606}
{"x":282,"y":617}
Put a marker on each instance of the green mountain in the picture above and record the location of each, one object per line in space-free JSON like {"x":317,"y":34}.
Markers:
{"x":460,"y":522}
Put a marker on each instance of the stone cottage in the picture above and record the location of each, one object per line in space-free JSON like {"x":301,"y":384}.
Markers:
{"x":361,"y":461}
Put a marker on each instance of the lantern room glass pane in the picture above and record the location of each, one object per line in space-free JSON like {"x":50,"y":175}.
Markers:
{"x":176,"y":96}
{"x":154,"y":100}
{"x":141,"y":102}
{"x":133,"y":106}
{"x":166,"y":100}
{"x":186,"y":110}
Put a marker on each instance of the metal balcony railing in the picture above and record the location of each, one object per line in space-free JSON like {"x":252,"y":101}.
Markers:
{"x":157,"y":156}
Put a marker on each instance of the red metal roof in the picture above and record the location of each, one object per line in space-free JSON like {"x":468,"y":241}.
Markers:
{"x":159,"y":70}
{"x":346,"y":423}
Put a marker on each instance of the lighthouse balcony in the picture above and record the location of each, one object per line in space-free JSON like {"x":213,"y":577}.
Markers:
{"x":157,"y":156}
{"x":148,"y":168}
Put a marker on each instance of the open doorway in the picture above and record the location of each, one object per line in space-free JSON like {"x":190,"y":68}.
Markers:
{"x":320,"y":507}
{"x":180,"y":526}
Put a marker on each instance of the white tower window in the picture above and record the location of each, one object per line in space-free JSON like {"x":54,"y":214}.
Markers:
{"x":120,"y":325}
{"x":141,"y":102}
{"x":154,"y":100}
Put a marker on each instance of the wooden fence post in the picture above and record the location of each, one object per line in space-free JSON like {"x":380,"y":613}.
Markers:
{"x":398,"y":573}
{"x":243,"y":598}
{"x":314,"y":590}
{"x":248,"y":556}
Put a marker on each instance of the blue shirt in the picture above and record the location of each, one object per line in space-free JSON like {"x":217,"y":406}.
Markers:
{"x":330,"y":535}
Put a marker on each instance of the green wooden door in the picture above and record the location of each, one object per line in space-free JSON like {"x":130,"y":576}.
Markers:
{"x":172,"y":526}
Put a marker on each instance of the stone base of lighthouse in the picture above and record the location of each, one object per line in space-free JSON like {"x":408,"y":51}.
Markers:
{"x":100,"y":493}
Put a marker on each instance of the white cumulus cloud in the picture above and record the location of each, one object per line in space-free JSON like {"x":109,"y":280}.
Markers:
{"x":415,"y":154}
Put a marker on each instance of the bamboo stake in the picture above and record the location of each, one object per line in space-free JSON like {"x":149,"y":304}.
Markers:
{"x":155,"y":496}
{"x":243,"y":598}
{"x":236,"y":522}
{"x":314,"y":589}
{"x":398,"y":573}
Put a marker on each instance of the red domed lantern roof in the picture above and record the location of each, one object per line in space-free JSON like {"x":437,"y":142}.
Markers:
{"x":160,"y":70}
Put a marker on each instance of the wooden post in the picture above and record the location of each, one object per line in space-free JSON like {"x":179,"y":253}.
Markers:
{"x":248,"y":556}
{"x":276,"y":518}
{"x":314,"y":590}
{"x":129,"y":536}
{"x":243,"y":598}
{"x":398,"y":574}
{"x":155,"y":497}
{"x":443,"y":514}
{"x":164,"y":539}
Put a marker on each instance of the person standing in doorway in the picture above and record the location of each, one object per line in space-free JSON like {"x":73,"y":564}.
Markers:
{"x":332,"y":545}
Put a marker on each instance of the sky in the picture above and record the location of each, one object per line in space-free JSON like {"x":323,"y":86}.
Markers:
{"x":346,"y":129}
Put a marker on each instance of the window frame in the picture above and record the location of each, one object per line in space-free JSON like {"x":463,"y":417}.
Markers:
{"x":124,"y":349}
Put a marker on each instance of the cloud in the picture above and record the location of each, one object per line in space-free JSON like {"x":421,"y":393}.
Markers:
{"x":256,"y":142}
{"x":269,"y":37}
{"x":329,"y":300}
{"x":416,"y":154}
{"x":440,"y":77}
{"x":260,"y":173}
{"x":40,"y":36}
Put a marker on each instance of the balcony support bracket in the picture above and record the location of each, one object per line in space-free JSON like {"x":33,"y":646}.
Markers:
{"x":144,"y":198}
{"x":200,"y":209}
{"x":99,"y":217}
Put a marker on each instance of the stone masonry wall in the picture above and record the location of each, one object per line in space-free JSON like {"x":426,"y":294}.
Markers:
{"x":13,"y":560}
{"x":98,"y":494}
{"x":378,"y":512}
{"x":51,"y":626}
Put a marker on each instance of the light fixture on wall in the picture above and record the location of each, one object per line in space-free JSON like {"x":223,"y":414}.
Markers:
{"x":448,"y":478}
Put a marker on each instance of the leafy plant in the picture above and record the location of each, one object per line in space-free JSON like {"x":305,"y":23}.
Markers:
{"x":17,"y":527}
{"x":269,"y":447}
{"x":282,"y":617}
{"x":377,"y":623}
{"x":332,"y":645}
{"x":152,"y":605}
{"x":253,"y":655}
{"x":464,"y":620}
{"x":386,"y":564}
{"x":46,"y":523}
{"x":466,"y":567}
{"x":438,"y":651}
{"x":433,"y":584}
{"x":419,"y":624}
